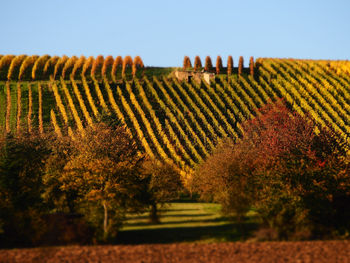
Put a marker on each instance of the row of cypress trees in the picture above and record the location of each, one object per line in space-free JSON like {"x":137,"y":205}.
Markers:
{"x":208,"y":66}
{"x":23,"y":67}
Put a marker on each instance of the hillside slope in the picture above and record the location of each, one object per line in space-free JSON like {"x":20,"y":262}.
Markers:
{"x":181,"y":122}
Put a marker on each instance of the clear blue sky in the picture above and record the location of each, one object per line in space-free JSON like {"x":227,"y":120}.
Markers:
{"x":163,"y":31}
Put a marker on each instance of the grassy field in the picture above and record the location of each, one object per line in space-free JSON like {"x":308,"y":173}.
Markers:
{"x":185,"y":222}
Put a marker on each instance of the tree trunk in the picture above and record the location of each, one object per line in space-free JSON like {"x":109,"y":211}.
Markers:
{"x":105,"y":220}
{"x":154,"y":214}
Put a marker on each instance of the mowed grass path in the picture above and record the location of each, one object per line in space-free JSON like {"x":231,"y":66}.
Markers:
{"x":185,"y":222}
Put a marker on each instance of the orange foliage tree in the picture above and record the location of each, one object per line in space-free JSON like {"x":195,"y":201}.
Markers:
{"x":251,"y":66}
{"x":208,"y":64}
{"x":187,"y":63}
{"x":197,"y":63}
{"x":229,"y":65}
{"x":282,"y":162}
{"x":240,"y":65}
{"x":104,"y":169}
{"x":218,"y":65}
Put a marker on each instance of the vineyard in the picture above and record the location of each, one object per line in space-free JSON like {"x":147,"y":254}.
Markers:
{"x":178,"y":122}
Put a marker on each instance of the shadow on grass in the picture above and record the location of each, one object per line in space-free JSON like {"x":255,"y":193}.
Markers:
{"x":189,"y":221}
{"x":228,"y":232}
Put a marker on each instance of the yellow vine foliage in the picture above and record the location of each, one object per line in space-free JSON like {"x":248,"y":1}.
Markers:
{"x":72,"y":107}
{"x":81,"y":102}
{"x":89,"y":96}
{"x":15,"y":66}
{"x":30,"y":108}
{"x":5,"y":63}
{"x":78,"y":67}
{"x":137,"y":64}
{"x":107,"y":67}
{"x":127,"y":63}
{"x":19,"y":107}
{"x":68,"y":67}
{"x":38,"y":68}
{"x":8,"y":107}
{"x":40,"y":111}
{"x":59,"y":103}
{"x":25,"y":71}
{"x":96,"y":70}
{"x":54,"y":123}
{"x":118,"y":63}
{"x":86,"y":72}
{"x":49,"y":67}
{"x":59,"y":67}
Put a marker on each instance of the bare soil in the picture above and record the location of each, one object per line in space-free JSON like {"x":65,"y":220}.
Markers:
{"x":313,"y":251}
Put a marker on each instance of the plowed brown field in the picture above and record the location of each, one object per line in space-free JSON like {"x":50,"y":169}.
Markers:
{"x":315,"y":251}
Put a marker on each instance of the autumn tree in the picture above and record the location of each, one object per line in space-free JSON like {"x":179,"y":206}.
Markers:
{"x":218,"y":65}
{"x":240,"y":65}
{"x":251,"y":66}
{"x":21,"y":169}
{"x":104,"y":172}
{"x":229,"y":65}
{"x":187,"y":63}
{"x":208,"y":64}
{"x":197,"y":63}
{"x":162,"y":182}
{"x":117,"y":67}
{"x":296,"y":178}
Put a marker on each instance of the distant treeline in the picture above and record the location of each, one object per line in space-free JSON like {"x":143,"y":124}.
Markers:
{"x":208,"y":66}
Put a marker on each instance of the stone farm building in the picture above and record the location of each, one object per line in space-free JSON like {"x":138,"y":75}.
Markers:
{"x":186,"y":75}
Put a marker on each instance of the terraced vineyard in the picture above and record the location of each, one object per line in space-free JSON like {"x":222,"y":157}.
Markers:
{"x":176,"y":121}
